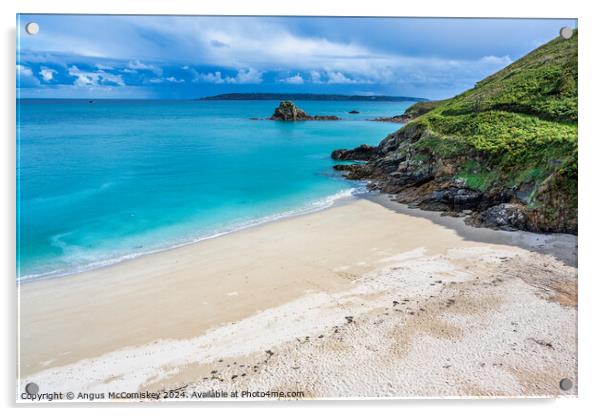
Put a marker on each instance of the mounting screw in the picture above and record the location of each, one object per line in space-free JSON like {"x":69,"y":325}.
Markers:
{"x":32,"y":388}
{"x":566,"y":32}
{"x":566,"y":384}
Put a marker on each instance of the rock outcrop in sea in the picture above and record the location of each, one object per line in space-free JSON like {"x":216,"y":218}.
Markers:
{"x":288,"y":111}
{"x":503,"y":154}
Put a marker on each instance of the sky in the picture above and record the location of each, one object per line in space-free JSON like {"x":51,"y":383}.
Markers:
{"x":186,"y":57}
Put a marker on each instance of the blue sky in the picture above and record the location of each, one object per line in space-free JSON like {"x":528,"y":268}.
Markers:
{"x":165,"y":57}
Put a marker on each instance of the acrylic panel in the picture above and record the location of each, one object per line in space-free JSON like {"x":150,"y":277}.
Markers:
{"x":229,"y":207}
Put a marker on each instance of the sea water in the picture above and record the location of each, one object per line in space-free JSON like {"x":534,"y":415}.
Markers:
{"x":103,"y":181}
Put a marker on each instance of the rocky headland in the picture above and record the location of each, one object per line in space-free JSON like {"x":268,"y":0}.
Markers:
{"x":503,"y":154}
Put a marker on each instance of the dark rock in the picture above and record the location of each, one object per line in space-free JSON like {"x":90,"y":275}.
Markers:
{"x":452,"y":198}
{"x":524,"y":192}
{"x":503,"y":216}
{"x":343,"y":168}
{"x":354,"y":112}
{"x":363,"y":152}
{"x":399,"y":180}
{"x":324,"y":118}
{"x":356,"y":172}
{"x":287,"y":111}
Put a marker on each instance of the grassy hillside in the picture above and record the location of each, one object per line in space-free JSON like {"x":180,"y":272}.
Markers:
{"x":514,"y":133}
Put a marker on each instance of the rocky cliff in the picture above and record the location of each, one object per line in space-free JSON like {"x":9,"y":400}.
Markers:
{"x":503,"y":153}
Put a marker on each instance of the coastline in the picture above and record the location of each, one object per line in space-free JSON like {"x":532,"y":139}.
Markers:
{"x":339,"y":198}
{"x":234,"y":297}
{"x":561,"y":246}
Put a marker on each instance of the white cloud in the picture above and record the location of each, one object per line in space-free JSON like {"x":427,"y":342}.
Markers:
{"x":25,"y":77}
{"x":212,"y":77}
{"x":47,"y":74}
{"x":89,"y":78}
{"x":168,"y":79}
{"x":137,"y":65}
{"x":295,"y":79}
{"x":104,"y":67}
{"x":243,"y":76}
{"x":24,"y":71}
{"x":249,"y":76}
{"x":496,"y":60}
{"x":335,"y":77}
{"x":315,"y":76}
{"x":267,"y":47}
{"x":251,"y":47}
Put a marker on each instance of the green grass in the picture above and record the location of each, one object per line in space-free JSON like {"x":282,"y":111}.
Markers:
{"x":476,"y":176}
{"x":518,"y":126}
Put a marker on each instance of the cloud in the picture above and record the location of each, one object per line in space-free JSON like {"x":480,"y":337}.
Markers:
{"x":212,"y":77}
{"x":243,"y":76}
{"x":335,"y":54}
{"x":168,"y":79}
{"x":265,"y":46}
{"x":25,"y":77}
{"x":47,"y":73}
{"x":315,"y":76}
{"x":295,"y":79}
{"x":218,"y":44}
{"x":137,"y":65}
{"x":249,"y":76}
{"x":496,"y":60}
{"x":269,"y":47}
{"x":90,"y":78}
{"x":24,"y":71}
{"x":335,"y":77}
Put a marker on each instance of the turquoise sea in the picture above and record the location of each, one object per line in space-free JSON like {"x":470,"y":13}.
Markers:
{"x":105,"y":181}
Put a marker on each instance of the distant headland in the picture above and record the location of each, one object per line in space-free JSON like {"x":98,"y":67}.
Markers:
{"x":307,"y":97}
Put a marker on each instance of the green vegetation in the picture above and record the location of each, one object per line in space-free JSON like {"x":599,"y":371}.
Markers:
{"x":515,"y":129}
{"x":422,"y":107}
{"x":476,"y":176}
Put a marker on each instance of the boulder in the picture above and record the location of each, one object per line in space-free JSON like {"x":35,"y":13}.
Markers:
{"x":503,"y":216}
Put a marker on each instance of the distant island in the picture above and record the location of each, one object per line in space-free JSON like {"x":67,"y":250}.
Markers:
{"x":307,"y":97}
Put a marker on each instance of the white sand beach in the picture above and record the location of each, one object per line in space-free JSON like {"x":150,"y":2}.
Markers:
{"x":357,"y":300}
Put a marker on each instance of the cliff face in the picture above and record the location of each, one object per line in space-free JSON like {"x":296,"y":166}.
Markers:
{"x":503,"y":153}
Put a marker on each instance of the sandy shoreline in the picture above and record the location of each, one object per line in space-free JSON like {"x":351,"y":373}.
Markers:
{"x":374,"y":295}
